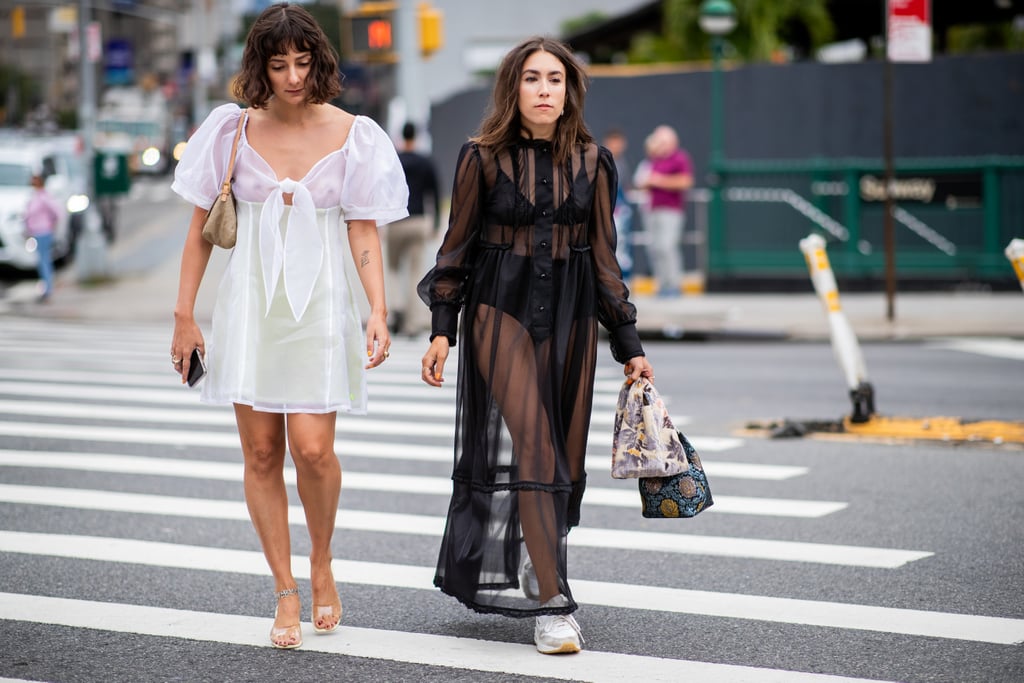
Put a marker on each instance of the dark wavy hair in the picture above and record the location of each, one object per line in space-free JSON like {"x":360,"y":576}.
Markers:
{"x":502,"y":126}
{"x":278,"y":29}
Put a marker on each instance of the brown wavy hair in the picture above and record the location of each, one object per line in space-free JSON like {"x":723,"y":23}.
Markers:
{"x":502,"y":126}
{"x":278,"y":29}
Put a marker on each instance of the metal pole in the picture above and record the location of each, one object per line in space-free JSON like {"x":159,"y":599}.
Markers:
{"x":716,"y":235}
{"x":716,"y":103}
{"x":87,"y":94}
{"x":889,"y":229}
{"x":410,"y":87}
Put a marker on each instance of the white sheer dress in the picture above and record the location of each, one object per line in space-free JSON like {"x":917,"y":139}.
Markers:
{"x":287,"y":335}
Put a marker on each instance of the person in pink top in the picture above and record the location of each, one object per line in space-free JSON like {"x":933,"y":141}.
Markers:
{"x":41,"y":215}
{"x":666,"y":176}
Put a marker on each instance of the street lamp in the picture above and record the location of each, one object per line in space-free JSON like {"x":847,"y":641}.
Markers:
{"x":717,"y":18}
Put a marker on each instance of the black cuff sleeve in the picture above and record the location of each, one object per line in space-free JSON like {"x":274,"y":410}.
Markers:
{"x":625,"y":342}
{"x":445,"y":322}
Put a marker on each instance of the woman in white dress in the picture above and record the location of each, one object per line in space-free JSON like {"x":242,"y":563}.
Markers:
{"x":286,"y":347}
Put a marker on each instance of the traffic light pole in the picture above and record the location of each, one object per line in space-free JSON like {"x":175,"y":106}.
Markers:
{"x":412,"y":105}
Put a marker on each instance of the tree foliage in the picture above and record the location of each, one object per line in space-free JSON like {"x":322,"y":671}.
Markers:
{"x":765,"y":29}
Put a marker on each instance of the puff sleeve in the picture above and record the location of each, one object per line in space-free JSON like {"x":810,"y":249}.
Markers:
{"x":200,"y":172}
{"x":374,"y":186}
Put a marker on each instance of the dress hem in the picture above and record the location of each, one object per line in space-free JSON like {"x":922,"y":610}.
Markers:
{"x":510,"y":612}
{"x":347,"y":409}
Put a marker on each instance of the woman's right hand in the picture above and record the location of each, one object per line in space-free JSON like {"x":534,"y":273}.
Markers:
{"x":434,"y":359}
{"x":187,"y":337}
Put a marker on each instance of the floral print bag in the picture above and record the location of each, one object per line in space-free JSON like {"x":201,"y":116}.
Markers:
{"x":647,"y":446}
{"x":644,"y":441}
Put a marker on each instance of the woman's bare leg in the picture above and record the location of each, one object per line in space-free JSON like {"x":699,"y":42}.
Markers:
{"x":311,"y":442}
{"x":262,"y":437}
{"x":513,"y":378}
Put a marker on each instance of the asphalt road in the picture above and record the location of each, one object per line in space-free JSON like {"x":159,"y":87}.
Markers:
{"x":127,"y":553}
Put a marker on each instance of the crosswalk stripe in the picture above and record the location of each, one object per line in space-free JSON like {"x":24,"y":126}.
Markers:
{"x":368,"y":481}
{"x":996,"y":347}
{"x":210,"y":439}
{"x":422,"y":525}
{"x":400,"y":646}
{"x":432,"y":401}
{"x":715,"y":468}
{"x":1000,"y":630}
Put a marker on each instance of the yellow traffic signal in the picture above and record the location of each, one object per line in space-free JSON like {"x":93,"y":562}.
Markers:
{"x":18,"y":22}
{"x":431,"y":28}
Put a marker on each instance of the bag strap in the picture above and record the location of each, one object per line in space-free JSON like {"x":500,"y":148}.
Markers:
{"x":225,"y":188}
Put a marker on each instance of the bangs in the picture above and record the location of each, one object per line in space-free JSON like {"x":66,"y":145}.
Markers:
{"x":283,"y":38}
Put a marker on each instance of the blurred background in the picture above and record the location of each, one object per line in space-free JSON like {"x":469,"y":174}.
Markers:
{"x":892,"y":128}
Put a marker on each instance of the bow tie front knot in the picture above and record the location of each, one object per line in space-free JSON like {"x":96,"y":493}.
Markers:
{"x":298,"y":255}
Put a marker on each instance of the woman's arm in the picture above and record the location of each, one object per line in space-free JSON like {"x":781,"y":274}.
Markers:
{"x":195,"y":256}
{"x":364,"y":241}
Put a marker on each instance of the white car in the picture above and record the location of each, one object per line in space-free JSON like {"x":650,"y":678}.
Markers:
{"x":59,"y":160}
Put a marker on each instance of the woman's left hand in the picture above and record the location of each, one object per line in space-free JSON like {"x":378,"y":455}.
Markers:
{"x":378,"y":340}
{"x":638,"y":367}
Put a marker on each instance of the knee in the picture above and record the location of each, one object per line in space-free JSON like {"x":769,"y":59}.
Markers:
{"x":265,"y":459}
{"x":314,"y":458}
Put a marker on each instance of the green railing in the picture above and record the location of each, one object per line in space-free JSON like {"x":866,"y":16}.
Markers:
{"x":952,"y":216}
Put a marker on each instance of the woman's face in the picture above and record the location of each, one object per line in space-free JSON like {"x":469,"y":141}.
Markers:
{"x":541,"y":93}
{"x":287,"y":74}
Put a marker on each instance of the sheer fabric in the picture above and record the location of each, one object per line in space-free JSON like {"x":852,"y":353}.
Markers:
{"x":286,"y":334}
{"x":529,"y":263}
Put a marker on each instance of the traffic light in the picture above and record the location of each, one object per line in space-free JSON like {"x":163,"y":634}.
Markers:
{"x":431,"y":28}
{"x":372,"y":34}
{"x":18,"y":22}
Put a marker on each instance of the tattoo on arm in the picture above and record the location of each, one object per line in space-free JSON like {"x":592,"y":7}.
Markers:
{"x":364,"y":258}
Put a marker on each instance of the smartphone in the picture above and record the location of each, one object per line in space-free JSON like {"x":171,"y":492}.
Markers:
{"x":196,"y":368}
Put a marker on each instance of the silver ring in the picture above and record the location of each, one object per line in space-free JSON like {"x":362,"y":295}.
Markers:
{"x":175,"y":360}
{"x":387,"y":354}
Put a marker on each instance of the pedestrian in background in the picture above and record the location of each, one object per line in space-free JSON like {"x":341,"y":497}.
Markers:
{"x":666,"y":176}
{"x":405,"y":238}
{"x":41,"y":216}
{"x":615,"y":142}
{"x":287,"y":347}
{"x":529,"y":260}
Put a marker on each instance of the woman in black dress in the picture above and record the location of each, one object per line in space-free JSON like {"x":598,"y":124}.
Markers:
{"x":529,"y":261}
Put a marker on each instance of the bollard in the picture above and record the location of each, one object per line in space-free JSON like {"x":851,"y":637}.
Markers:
{"x":91,"y":262}
{"x":1015,"y":252}
{"x":844,"y":341}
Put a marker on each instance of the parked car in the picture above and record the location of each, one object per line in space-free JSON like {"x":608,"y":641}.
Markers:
{"x":60,"y":161}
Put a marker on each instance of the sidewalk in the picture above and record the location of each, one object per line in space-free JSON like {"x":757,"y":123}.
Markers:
{"x":149,"y":297}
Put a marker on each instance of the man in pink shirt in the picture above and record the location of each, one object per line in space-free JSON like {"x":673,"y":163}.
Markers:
{"x":41,"y":216}
{"x":666,"y":176}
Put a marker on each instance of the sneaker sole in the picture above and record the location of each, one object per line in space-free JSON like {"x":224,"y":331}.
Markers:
{"x":564,"y":649}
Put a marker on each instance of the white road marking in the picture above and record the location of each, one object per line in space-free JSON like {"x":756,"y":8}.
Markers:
{"x":186,"y":437}
{"x":232,"y":471}
{"x":1000,"y":630}
{"x":398,"y":646}
{"x":422,"y":525}
{"x":997,"y":347}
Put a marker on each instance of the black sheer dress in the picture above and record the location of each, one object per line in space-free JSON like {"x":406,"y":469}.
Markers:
{"x":529,"y":261}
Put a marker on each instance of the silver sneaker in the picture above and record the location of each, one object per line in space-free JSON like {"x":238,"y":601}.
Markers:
{"x":528,"y":579}
{"x":557,"y":633}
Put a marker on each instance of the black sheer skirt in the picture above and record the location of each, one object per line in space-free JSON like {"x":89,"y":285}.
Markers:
{"x":524,"y":405}
{"x":528,"y":268}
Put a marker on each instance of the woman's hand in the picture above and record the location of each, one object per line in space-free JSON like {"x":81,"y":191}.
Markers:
{"x":638,"y":367}
{"x":187,"y":337}
{"x":378,"y":339}
{"x":432,"y":371}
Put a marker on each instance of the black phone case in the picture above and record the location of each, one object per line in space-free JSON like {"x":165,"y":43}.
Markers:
{"x":196,"y":368}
